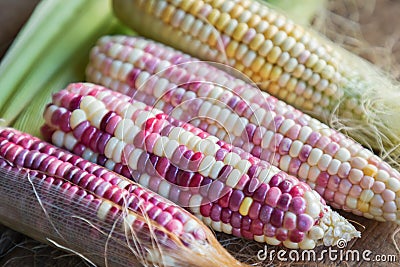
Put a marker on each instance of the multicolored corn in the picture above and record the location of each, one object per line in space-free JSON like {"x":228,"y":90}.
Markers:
{"x":345,"y":174}
{"x":56,"y":196}
{"x":284,"y":59}
{"x":228,"y":188}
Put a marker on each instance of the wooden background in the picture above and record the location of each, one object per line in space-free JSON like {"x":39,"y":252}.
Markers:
{"x":370,"y":28}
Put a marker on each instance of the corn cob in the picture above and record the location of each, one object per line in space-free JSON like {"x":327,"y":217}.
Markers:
{"x":284,"y":59}
{"x":142,"y":223}
{"x":227,"y":188}
{"x":345,"y":174}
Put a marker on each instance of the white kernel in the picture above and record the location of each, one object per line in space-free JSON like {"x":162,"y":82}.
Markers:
{"x":134,"y":55}
{"x":159,"y":146}
{"x":304,"y":133}
{"x":51,"y":109}
{"x":231,"y":159}
{"x":233,"y":178}
{"x":110,"y":146}
{"x":334,"y":167}
{"x":272,"y":241}
{"x":134,"y":158}
{"x":295,"y":149}
{"x":58,"y":138}
{"x":303,"y":171}
{"x":315,"y":156}
{"x":195,"y":203}
{"x":164,"y":188}
{"x":69,"y":141}
{"x":206,"y":164}
{"x":366,"y":195}
{"x":215,"y":170}
{"x":343,"y":154}
{"x":160,"y":88}
{"x":266,"y":140}
{"x":144,"y":180}
{"x":117,"y":153}
{"x":122,"y":129}
{"x":103,"y":210}
{"x":307,"y":244}
{"x":243,"y":165}
{"x":284,"y":163}
{"x":351,"y":202}
{"x":170,"y":148}
{"x":393,"y":184}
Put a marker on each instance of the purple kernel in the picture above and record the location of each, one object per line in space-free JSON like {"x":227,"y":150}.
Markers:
{"x":265,"y":213}
{"x":236,"y":200}
{"x":226,"y":214}
{"x":284,"y":201}
{"x":254,"y":210}
{"x":296,"y":236}
{"x":298,"y":205}
{"x":281,"y":234}
{"x":236,"y":220}
{"x":277,"y":217}
{"x":304,"y":222}
{"x":215,"y":213}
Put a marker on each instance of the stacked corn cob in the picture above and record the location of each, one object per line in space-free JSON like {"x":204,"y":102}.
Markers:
{"x":72,"y":197}
{"x":282,"y":57}
{"x":344,"y":173}
{"x":226,"y":187}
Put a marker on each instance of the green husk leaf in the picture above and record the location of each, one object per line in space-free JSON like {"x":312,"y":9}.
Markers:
{"x":302,"y":12}
{"x":77,"y":29}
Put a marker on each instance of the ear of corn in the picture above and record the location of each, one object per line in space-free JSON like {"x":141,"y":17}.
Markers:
{"x":60,"y":198}
{"x":345,"y":174}
{"x":283,"y":58}
{"x":192,"y":168}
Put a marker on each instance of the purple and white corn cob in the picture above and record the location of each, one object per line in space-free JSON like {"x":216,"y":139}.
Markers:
{"x":228,"y":188}
{"x":345,"y":174}
{"x":53,"y":195}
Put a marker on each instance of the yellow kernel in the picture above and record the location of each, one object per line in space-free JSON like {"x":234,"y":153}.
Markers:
{"x":212,"y":39}
{"x":274,"y":89}
{"x":276,"y":73}
{"x":231,"y":48}
{"x":185,"y":5}
{"x":167,"y":13}
{"x":240,"y":30}
{"x":195,"y":8}
{"x":271,"y":31}
{"x":217,"y":3}
{"x":254,"y":20}
{"x":282,"y":94}
{"x":213,"y":16}
{"x":222,"y":21}
{"x":274,"y":54}
{"x":239,"y":66}
{"x":370,"y":170}
{"x":362,"y":206}
{"x":236,"y":11}
{"x":257,"y":64}
{"x":245,"y":206}
{"x":319,"y":66}
{"x":266,"y":70}
{"x":257,"y":41}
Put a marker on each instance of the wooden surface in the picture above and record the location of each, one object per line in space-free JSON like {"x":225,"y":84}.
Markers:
{"x":380,"y":238}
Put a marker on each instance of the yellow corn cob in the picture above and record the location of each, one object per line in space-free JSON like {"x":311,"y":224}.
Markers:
{"x":282,"y":57}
